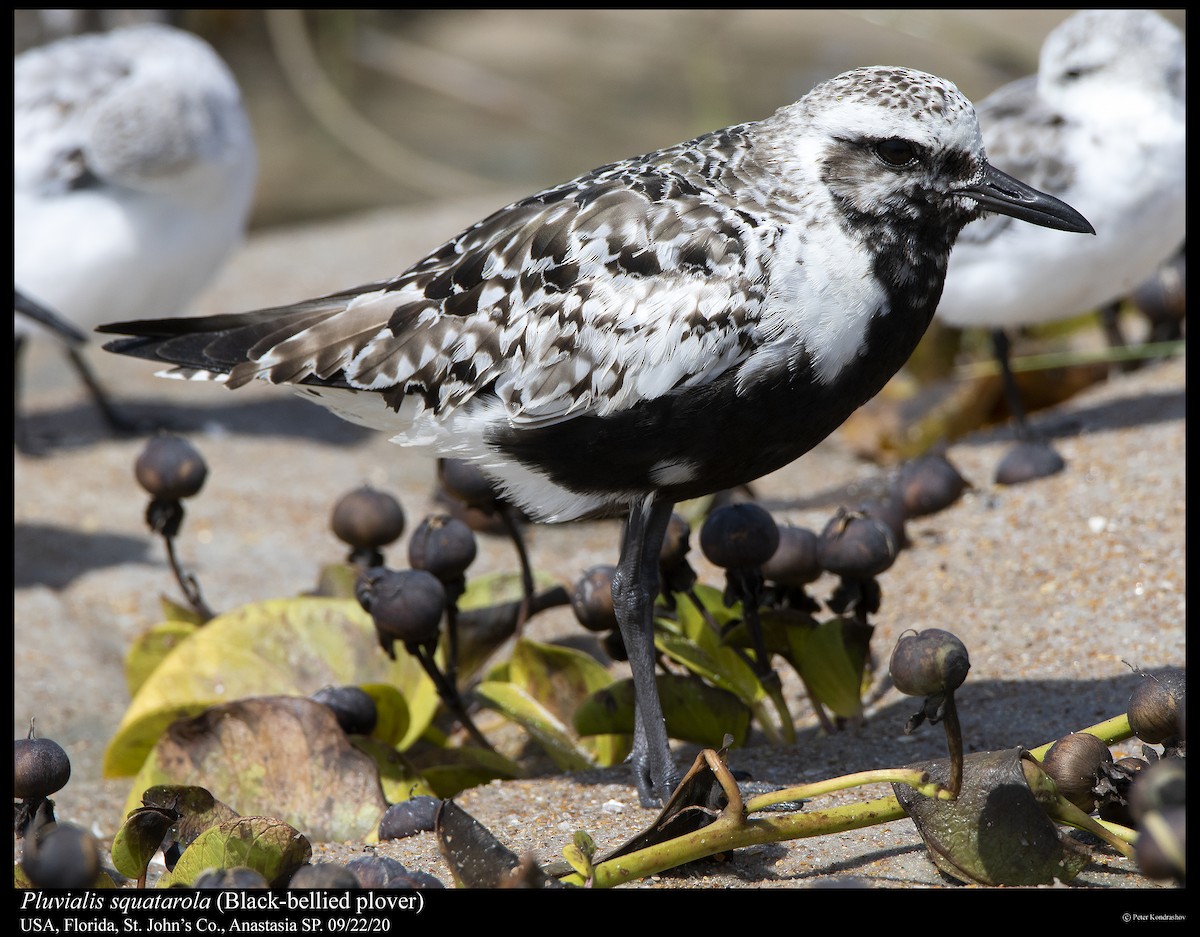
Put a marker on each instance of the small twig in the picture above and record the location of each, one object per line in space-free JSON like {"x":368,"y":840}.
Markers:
{"x":188,"y":583}
{"x":448,"y":694}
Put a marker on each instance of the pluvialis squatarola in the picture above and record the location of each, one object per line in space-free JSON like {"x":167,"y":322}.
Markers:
{"x":656,"y":329}
{"x":1102,"y":125}
{"x":133,"y":176}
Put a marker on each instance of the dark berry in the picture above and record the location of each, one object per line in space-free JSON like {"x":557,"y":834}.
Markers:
{"x":925,"y":663}
{"x":170,"y":468}
{"x":367,"y":519}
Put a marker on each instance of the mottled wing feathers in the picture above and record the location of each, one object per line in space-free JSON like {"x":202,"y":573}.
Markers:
{"x":624,"y":284}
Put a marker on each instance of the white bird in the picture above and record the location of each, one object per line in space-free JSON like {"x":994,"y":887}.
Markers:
{"x":1102,"y":125}
{"x":133,"y":176}
{"x":657,"y":329}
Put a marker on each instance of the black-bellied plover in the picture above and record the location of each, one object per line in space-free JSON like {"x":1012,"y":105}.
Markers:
{"x":133,"y":176}
{"x":657,"y":329}
{"x":1102,"y":125}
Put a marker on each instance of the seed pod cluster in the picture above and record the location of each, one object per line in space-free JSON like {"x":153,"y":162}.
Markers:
{"x":855,"y":546}
{"x":444,"y":546}
{"x":352,"y":706}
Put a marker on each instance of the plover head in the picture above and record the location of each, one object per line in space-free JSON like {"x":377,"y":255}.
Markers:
{"x":899,"y":152}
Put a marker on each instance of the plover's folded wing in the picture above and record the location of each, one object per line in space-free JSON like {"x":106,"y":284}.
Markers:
{"x":586,"y":298}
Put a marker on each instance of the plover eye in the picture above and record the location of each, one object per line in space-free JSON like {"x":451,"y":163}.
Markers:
{"x":896,"y":152}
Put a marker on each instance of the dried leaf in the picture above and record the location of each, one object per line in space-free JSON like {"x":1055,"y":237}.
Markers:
{"x":275,"y":756}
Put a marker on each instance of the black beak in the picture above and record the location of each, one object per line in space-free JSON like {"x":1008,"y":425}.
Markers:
{"x":999,"y":192}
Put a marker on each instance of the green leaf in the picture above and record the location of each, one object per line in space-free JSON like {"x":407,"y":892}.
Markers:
{"x":174,"y":611}
{"x":694,"y":711}
{"x":391,"y":712}
{"x":488,"y":612}
{"x":150,"y":648}
{"x":559,"y":679}
{"x":449,"y":771}
{"x":831,"y":670}
{"x":553,"y":735}
{"x":267,"y":845}
{"x":720,"y":666}
{"x":337,"y":581}
{"x":280,"y":756}
{"x":398,"y":778}
{"x":139,"y":838}
{"x":277,"y":647}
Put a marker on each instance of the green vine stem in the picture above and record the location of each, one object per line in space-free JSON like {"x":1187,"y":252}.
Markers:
{"x":734,"y":828}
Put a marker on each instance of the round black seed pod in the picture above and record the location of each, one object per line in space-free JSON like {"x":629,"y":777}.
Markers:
{"x":1162,"y":785}
{"x":1154,"y":706}
{"x":888,"y":508}
{"x":1116,"y":807}
{"x":739,"y":536}
{"x":40,"y":768}
{"x":170,"y":468}
{"x":353,"y":707}
{"x":323,"y":875}
{"x":406,"y":605}
{"x":62,"y":855}
{"x":856,"y":547}
{"x":409,"y":817}
{"x":794,"y":563}
{"x":1027,"y":460}
{"x":592,"y":601}
{"x":384,"y":872}
{"x":1075,"y":762}
{"x":675,"y":544}
{"x":238,"y":876}
{"x":929,"y":484}
{"x":442,"y":545}
{"x":928,"y":662}
{"x":614,"y":646}
{"x":367,"y":519}
{"x":1159,"y":843}
{"x":466,"y":482}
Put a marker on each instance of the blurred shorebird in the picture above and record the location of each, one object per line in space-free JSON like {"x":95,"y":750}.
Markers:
{"x":133,"y":176}
{"x":1101,"y":125}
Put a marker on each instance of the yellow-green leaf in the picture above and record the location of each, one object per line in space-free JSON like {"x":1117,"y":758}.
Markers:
{"x":721,"y":666}
{"x":397,"y":776}
{"x":150,"y":648}
{"x":391,"y":712}
{"x":281,"y":646}
{"x":694,"y":711}
{"x":267,"y":845}
{"x":832,"y":671}
{"x":552,"y":734}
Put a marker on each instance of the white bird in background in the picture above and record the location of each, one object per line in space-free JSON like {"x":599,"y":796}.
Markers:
{"x":134,"y":170}
{"x":1102,"y":125}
